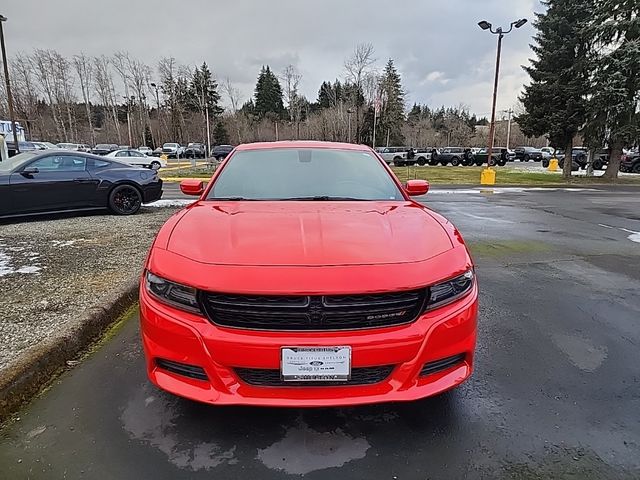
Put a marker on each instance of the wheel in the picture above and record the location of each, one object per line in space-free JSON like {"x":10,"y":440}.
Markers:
{"x":455,"y":161}
{"x":545,"y":163}
{"x":636,"y":168}
{"x":479,"y":163}
{"x":155,"y":164}
{"x":125,"y":200}
{"x":525,"y":158}
{"x":422,"y":161}
{"x":561,"y":163}
{"x":597,"y":165}
{"x":502,"y":163}
{"x":492,"y":162}
{"x":397,"y":161}
{"x":433,"y":162}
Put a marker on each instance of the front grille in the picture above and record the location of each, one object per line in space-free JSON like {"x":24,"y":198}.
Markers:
{"x":191,"y":371}
{"x":332,"y":312}
{"x":261,"y":377}
{"x":442,"y":364}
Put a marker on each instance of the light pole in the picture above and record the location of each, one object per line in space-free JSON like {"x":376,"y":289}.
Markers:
{"x":484,"y":25}
{"x":129,"y":120}
{"x":5,"y":62}
{"x":349,"y":112}
{"x":155,"y":87}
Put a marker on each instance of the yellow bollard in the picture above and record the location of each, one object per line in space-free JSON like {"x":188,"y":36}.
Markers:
{"x":553,"y":165}
{"x":488,"y":176}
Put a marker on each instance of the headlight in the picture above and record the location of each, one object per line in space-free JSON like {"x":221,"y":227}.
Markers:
{"x":179,"y":296}
{"x":446,"y":292}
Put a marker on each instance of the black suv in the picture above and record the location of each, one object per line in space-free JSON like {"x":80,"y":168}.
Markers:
{"x":220,"y":152}
{"x":630,"y":162}
{"x":524,"y":154}
{"x":195,"y":150}
{"x":444,"y":156}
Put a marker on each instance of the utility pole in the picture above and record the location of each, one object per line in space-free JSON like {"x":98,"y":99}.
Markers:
{"x":349,"y":112}
{"x":129,"y":121}
{"x":155,"y":87}
{"x":5,"y":62}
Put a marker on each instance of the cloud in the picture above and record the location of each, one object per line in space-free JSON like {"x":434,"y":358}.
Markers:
{"x":439,"y":50}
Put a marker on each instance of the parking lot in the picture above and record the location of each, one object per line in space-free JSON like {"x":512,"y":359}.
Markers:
{"x":555,"y":393}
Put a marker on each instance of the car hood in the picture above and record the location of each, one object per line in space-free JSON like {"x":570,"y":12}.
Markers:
{"x":308,"y":233}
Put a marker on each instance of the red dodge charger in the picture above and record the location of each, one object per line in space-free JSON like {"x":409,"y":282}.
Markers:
{"x":305,"y":275}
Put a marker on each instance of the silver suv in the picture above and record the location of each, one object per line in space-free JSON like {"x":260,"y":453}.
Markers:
{"x":395,"y":155}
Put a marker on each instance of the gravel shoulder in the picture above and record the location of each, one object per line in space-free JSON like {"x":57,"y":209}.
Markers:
{"x":53,"y":270}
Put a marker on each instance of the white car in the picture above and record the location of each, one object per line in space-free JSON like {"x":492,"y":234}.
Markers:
{"x":45,"y":145}
{"x":173,"y":150}
{"x":134,"y":157}
{"x":146,"y":150}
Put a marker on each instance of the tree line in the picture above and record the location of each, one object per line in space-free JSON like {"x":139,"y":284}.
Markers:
{"x":119,"y":98}
{"x":585,"y":77}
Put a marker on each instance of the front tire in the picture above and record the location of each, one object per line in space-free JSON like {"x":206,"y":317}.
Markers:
{"x":398,"y":162}
{"x":125,"y":200}
{"x":525,"y":158}
{"x":455,"y":161}
{"x":422,"y":161}
{"x":155,"y":165}
{"x":636,"y":168}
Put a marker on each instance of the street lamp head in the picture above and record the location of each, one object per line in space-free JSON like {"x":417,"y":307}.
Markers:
{"x":3,"y":18}
{"x":520,"y":22}
{"x":484,"y":25}
{"x":153,"y":85}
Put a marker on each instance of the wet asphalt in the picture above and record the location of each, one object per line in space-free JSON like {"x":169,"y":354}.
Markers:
{"x":555,"y":394}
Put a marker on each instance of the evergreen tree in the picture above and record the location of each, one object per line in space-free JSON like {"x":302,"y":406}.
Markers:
{"x":415,"y":114}
{"x":325,"y":95}
{"x":220,"y":134}
{"x":555,"y":100}
{"x":613,"y":110}
{"x":203,"y":91}
{"x":268,"y":95}
{"x":392,"y":114}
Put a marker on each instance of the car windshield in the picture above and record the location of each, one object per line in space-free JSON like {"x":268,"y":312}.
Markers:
{"x":16,"y":161}
{"x":304,"y":174}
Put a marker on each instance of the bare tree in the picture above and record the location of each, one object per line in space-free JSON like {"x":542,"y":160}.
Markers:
{"x":84,"y":69}
{"x":139,"y":75}
{"x":42,"y":62}
{"x":291,"y":80}
{"x":357,"y":66}
{"x":105,"y":89}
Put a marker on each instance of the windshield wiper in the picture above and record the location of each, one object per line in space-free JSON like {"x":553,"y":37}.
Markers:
{"x":322,"y":198}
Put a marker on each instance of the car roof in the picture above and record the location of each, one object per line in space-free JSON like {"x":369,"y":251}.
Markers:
{"x":302,"y":144}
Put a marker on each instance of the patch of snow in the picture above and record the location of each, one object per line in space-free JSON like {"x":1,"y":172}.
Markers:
{"x":7,"y":266}
{"x":170,"y":203}
{"x":63,"y":243}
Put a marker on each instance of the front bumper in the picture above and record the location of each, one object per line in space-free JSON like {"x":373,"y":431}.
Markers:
{"x":189,"y":339}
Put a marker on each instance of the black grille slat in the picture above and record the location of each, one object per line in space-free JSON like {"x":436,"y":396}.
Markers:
{"x":442,"y":364}
{"x":331,"y":312}
{"x":191,"y":371}
{"x":261,"y":377}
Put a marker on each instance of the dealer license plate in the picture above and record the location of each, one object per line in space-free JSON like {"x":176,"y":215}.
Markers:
{"x":315,"y":364}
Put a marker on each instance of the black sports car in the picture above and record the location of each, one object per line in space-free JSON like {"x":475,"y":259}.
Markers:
{"x":41,"y":182}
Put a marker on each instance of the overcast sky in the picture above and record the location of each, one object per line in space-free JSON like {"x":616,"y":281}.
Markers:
{"x":442,"y":55}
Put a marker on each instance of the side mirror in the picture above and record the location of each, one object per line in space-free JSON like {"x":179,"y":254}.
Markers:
{"x":416,"y":187}
{"x":28,"y":171}
{"x":192,"y":187}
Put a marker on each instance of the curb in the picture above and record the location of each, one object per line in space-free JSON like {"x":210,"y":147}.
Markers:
{"x":25,"y":377}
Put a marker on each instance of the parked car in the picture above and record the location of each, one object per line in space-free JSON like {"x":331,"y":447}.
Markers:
{"x":46,"y":181}
{"x":23,"y":146}
{"x":76,"y":147}
{"x":524,"y":154}
{"x":195,"y":150}
{"x":173,"y":150}
{"x":134,"y":157}
{"x":220,"y":152}
{"x":547,"y":153}
{"x":146,"y":150}
{"x":499,"y":156}
{"x":104,"y":148}
{"x":630,"y":162}
{"x":579,"y":158}
{"x":45,"y":146}
{"x":448,"y":155}
{"x":422,"y":156}
{"x":393,"y":155}
{"x":282,"y":311}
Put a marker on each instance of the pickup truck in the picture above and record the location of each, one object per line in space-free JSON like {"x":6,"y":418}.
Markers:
{"x":499,"y":156}
{"x":524,"y":154}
